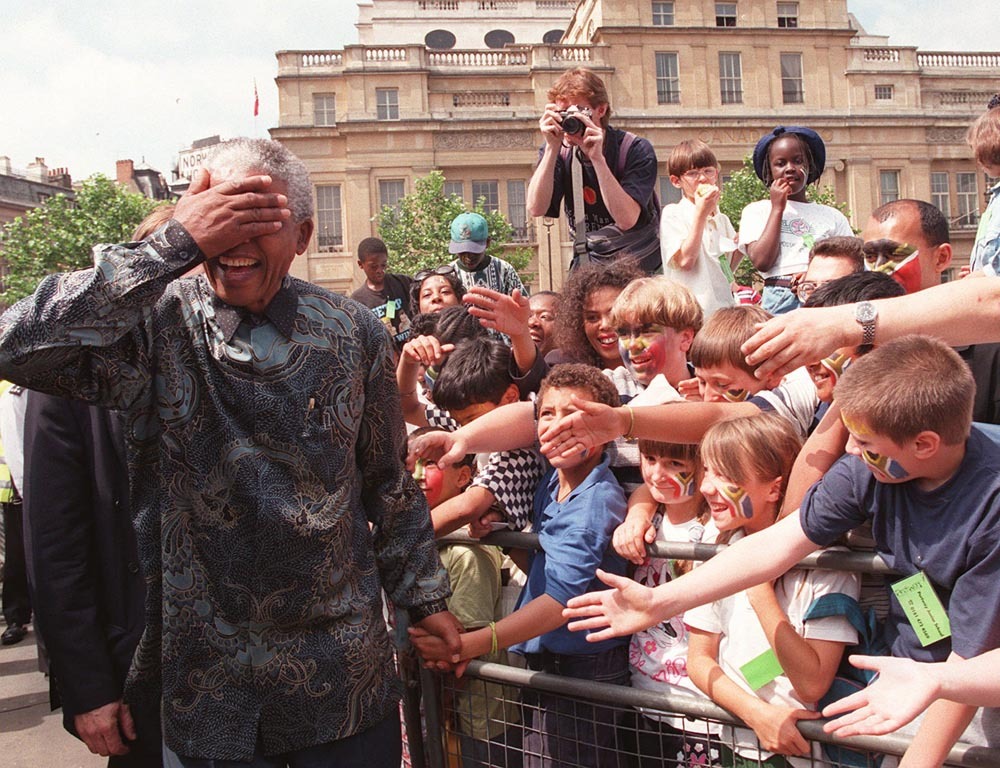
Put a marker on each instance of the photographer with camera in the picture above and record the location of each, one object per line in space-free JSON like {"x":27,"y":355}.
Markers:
{"x":618,"y":170}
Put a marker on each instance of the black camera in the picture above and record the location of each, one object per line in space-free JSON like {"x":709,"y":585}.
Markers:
{"x":570,"y":123}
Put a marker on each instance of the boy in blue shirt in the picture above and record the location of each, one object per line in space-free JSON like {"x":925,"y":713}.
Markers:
{"x":577,"y":507}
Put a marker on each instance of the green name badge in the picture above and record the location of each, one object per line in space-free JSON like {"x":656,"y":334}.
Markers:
{"x":923,"y":608}
{"x":390,"y":309}
{"x":760,"y":671}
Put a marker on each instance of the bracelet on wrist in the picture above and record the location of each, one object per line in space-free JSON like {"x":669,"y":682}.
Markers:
{"x":631,"y":423}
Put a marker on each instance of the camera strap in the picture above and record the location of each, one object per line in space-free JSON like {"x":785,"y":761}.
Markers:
{"x":580,"y":225}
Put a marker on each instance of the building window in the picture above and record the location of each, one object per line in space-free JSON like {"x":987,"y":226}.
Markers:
{"x":731,"y":78}
{"x":489,"y":192}
{"x":517,"y":210}
{"x":440,"y":39}
{"x":668,"y":192}
{"x":788,"y":15}
{"x":968,"y":199}
{"x":456,"y":188}
{"x":791,"y":78}
{"x":498,"y":38}
{"x":553,"y":36}
{"x":329,"y":222}
{"x":725,"y":14}
{"x":324,"y":109}
{"x":940,"y":196}
{"x":883,"y":93}
{"x":390,"y":192}
{"x":888,"y":185}
{"x":668,"y":86}
{"x":387,"y":103}
{"x":663,"y":14}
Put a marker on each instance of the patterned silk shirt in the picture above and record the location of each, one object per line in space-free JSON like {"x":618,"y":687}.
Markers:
{"x":271,"y":503}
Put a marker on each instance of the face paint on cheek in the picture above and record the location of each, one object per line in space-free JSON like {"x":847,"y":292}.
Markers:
{"x":682,"y":484}
{"x":418,"y":470}
{"x":433,"y":484}
{"x":738,"y":500}
{"x":735,"y":395}
{"x":884,"y":465}
{"x":836,"y":365}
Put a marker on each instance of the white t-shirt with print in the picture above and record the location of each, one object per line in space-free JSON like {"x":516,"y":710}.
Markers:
{"x":802,"y":225}
{"x":743,"y":638}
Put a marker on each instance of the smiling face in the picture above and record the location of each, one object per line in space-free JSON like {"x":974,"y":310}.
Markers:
{"x":670,"y":481}
{"x":788,"y":160}
{"x":651,"y":349}
{"x":597,"y":325}
{"x":250,"y":274}
{"x":749,"y":504}
{"x":828,"y":371}
{"x":726,"y":383}
{"x":436,"y":293}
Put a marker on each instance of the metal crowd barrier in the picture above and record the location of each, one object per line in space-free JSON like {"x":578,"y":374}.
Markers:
{"x":440,"y":692}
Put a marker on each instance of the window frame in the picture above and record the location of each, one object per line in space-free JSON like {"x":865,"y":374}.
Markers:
{"x":662,"y":16}
{"x":491,"y":198}
{"x":387,"y":103}
{"x":329,"y":215}
{"x":665,"y":94}
{"x":790,"y":94}
{"x":723,"y":17}
{"x":967,"y":199}
{"x":939,"y":195}
{"x":884,"y":193}
{"x":328,"y":112}
{"x":785,"y":18}
{"x":735,"y":95}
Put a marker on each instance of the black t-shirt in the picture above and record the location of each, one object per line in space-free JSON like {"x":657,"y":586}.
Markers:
{"x":638,"y":178}
{"x":389,"y":305}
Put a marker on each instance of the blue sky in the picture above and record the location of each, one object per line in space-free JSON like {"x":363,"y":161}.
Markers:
{"x":84,"y":85}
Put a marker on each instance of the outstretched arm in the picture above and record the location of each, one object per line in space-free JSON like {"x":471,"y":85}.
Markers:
{"x":961,"y":312}
{"x":629,"y":607}
{"x":904,"y":688}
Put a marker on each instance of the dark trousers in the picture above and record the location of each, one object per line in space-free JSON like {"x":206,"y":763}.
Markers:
{"x":378,"y":747}
{"x":564,"y":732}
{"x":16,"y":601}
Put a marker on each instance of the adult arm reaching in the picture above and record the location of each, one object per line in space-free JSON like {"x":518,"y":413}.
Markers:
{"x":962,"y":312}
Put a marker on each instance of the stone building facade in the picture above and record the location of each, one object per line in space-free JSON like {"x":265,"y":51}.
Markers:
{"x":371,"y":118}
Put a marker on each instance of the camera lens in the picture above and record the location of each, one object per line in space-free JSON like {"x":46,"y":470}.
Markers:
{"x":573,"y":125}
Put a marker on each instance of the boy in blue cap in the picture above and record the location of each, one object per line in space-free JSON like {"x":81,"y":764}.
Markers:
{"x":778,"y":233}
{"x":470,"y":237}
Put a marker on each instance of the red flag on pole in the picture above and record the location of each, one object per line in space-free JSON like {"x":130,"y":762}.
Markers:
{"x":256,"y":99}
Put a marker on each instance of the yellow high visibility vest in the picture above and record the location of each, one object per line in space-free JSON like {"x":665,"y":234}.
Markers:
{"x":7,"y":492}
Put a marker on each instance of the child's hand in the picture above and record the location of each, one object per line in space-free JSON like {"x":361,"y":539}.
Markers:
{"x":780,"y":190}
{"x":426,"y":350}
{"x":689,"y":390}
{"x":631,"y":537}
{"x":775,"y":726}
{"x":484,"y":525}
{"x":706,"y":198}
{"x":622,"y":610}
{"x":503,"y":313}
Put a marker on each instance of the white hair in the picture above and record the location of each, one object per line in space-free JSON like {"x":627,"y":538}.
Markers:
{"x":238,"y":157}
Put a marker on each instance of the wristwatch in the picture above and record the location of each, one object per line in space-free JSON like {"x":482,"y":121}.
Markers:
{"x":866,"y":315}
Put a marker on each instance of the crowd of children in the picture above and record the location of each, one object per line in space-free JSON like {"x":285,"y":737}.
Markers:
{"x":623,"y":413}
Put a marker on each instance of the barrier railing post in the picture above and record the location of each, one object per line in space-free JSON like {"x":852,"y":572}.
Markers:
{"x":434,"y":718}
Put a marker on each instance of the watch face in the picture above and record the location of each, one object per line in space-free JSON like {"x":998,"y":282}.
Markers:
{"x":865,"y":312}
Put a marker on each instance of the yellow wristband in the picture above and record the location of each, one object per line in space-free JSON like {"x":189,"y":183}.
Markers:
{"x":494,"y":647}
{"x":631,"y":422}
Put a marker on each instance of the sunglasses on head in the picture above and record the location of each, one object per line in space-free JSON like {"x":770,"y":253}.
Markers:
{"x":444,"y":269}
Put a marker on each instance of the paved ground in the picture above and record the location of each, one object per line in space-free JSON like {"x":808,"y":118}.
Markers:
{"x":30,"y":735}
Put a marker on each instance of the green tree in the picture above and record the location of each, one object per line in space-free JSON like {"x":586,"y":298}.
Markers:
{"x":417,"y":229}
{"x":744,"y":188}
{"x":58,"y":235}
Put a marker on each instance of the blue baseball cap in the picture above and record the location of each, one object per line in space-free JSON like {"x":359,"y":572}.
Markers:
{"x":469,"y":233}
{"x":816,"y":147}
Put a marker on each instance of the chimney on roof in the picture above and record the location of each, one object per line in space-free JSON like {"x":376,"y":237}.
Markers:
{"x":60,"y":177}
{"x":5,"y":165}
{"x":37,"y":171}
{"x":124,"y":170}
